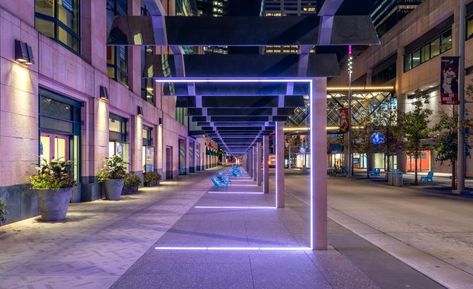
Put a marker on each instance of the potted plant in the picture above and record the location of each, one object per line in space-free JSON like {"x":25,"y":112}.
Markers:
{"x":151,"y":179}
{"x":112,"y":176}
{"x":131,"y":184}
{"x":53,"y":184}
{"x":3,"y":213}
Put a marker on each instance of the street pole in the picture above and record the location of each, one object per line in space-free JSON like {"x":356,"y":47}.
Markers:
{"x":350,"y":148}
{"x":461,"y":97}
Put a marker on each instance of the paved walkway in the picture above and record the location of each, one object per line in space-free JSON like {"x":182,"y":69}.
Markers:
{"x":126,"y":245}
{"x":99,"y":240}
{"x":430,"y":232}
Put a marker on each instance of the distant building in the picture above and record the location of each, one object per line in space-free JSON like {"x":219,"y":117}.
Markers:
{"x":287,"y":8}
{"x":386,"y":13}
{"x":214,"y":8}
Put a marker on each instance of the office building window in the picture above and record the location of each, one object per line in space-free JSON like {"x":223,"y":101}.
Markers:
{"x":469,"y":27}
{"x":147,"y":74}
{"x":429,"y":50}
{"x":59,"y":20}
{"x":117,"y":56}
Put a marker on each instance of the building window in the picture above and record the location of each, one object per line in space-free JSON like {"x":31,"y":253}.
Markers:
{"x":118,"y":137}
{"x":117,"y":56}
{"x":469,"y":27}
{"x":59,"y":20}
{"x":60,"y":127}
{"x":148,"y":150}
{"x":429,"y":50}
{"x":147,"y":83}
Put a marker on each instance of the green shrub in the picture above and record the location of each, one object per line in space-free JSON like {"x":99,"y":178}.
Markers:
{"x":132,"y":181}
{"x":151,"y":177}
{"x":115,"y":168}
{"x":55,"y":175}
{"x":3,"y":213}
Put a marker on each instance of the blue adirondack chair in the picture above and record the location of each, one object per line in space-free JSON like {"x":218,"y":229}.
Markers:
{"x":217,"y":183}
{"x":375,"y":172}
{"x":429,"y":178}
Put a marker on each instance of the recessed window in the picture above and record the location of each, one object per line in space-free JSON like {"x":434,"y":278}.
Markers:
{"x":431,"y":49}
{"x":59,"y":20}
{"x":469,"y":27}
{"x":117,"y":56}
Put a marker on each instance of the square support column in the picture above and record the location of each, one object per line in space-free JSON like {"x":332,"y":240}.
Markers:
{"x":280,"y":200}
{"x":318,"y":163}
{"x":255,"y":168}
{"x":266,"y":164}
{"x":259,"y":155}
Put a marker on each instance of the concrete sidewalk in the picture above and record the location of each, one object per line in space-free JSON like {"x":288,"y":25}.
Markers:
{"x":98,"y":241}
{"x":107,"y":244}
{"x":236,"y":239}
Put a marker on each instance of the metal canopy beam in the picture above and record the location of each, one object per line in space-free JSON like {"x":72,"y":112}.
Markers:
{"x":241,"y":31}
{"x":240,"y":101}
{"x":248,"y":65}
{"x":238,"y":89}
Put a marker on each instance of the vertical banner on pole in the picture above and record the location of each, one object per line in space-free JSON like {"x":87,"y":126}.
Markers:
{"x":449,"y":80}
{"x":344,"y":120}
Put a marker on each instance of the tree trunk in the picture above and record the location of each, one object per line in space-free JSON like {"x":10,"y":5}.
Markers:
{"x":454,"y":175}
{"x":368,"y":164}
{"x":416,"y":157}
{"x":388,"y":162}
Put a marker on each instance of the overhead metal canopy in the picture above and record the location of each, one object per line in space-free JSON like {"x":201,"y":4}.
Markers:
{"x":240,"y":31}
{"x":247,"y":65}
{"x":236,"y":99}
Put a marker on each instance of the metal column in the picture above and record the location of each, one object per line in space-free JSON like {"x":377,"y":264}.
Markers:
{"x":318,"y":164}
{"x":280,"y":202}
{"x":255,"y":168}
{"x":259,"y":155}
{"x":266,"y":164}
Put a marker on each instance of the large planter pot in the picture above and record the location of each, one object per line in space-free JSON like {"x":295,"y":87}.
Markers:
{"x":129,"y":190}
{"x":53,"y":204}
{"x":113,"y":189}
{"x":152,"y":184}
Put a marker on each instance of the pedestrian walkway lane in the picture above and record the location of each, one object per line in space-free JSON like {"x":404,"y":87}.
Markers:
{"x":236,"y":238}
{"x":98,"y":241}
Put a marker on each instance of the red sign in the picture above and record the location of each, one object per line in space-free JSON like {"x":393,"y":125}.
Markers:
{"x":344,"y":120}
{"x":449,"y":80}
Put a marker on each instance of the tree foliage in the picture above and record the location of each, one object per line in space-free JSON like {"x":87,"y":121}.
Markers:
{"x":415,"y":126}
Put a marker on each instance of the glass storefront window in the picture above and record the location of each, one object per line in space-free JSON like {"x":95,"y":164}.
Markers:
{"x":182,"y":156}
{"x":118,"y":138}
{"x":59,"y":124}
{"x":59,"y":20}
{"x":147,"y":149}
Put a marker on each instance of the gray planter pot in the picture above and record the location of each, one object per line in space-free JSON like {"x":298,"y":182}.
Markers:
{"x":113,"y":189}
{"x":53,"y":204}
{"x":130,"y":190}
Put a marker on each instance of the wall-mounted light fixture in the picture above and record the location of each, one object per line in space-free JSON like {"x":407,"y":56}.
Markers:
{"x":104,"y":93}
{"x":160,"y":121}
{"x":139,"y":110}
{"x":23,"y":53}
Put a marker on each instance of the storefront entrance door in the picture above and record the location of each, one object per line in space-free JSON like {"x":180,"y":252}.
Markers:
{"x":169,"y":173}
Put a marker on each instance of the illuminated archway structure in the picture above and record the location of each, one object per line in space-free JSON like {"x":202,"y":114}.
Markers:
{"x":238,"y":100}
